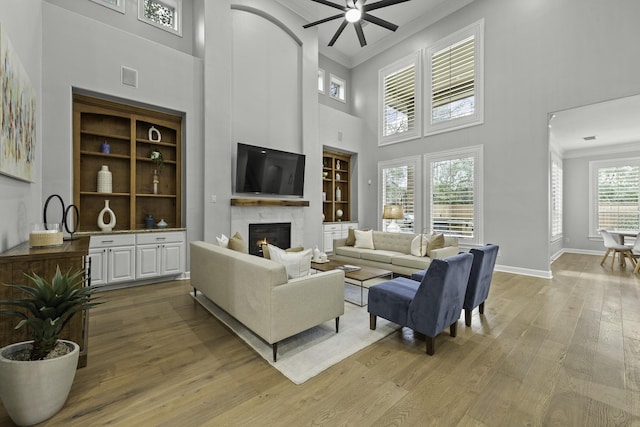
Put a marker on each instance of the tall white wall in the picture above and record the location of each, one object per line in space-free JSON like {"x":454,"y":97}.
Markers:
{"x":21,"y":202}
{"x":80,"y":52}
{"x":540,"y":57}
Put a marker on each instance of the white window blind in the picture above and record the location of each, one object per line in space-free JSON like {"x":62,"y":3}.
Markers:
{"x":453,"y":196}
{"x":399,"y":101}
{"x":618,"y":188}
{"x":453,"y":81}
{"x":399,"y":186}
{"x":556,"y":197}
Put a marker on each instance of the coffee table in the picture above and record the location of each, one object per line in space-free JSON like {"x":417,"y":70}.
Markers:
{"x":362,"y":278}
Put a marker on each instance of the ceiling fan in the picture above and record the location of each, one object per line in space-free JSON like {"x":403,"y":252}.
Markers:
{"x":355,"y":12}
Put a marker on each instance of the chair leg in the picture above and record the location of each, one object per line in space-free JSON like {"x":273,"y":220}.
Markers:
{"x":372,"y":321}
{"x":613,"y":259}
{"x":337,"y":324}
{"x":481,"y":307}
{"x":604,"y":258}
{"x":467,"y":316}
{"x":635,"y":270}
{"x":431,"y":345}
{"x":274,"y":346}
{"x":453,"y":329}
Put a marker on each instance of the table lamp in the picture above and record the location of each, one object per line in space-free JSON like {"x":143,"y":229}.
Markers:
{"x":392,"y":212}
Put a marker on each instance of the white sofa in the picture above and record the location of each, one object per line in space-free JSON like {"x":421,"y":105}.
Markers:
{"x":392,"y":252}
{"x":257,"y":292}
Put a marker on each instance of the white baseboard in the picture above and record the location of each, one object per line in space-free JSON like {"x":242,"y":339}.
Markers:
{"x":524,"y":271}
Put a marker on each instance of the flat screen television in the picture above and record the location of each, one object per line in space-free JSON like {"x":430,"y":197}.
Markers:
{"x":261,"y":170}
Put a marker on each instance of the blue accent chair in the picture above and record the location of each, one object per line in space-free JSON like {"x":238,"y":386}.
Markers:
{"x":429,"y":306}
{"x":484,"y":261}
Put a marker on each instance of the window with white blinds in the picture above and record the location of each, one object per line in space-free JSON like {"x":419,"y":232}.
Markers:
{"x":165,"y":14}
{"x":400,"y":101}
{"x":455,"y":193}
{"x":454,"y":81}
{"x":615,"y":195}
{"x":556,"y":197}
{"x":399,"y":186}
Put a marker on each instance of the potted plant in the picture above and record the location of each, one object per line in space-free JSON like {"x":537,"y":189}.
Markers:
{"x":36,"y":376}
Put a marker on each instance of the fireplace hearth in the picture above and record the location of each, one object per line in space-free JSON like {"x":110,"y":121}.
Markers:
{"x":275,"y":233}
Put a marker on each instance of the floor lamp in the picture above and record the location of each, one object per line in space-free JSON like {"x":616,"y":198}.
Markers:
{"x":392,"y":212}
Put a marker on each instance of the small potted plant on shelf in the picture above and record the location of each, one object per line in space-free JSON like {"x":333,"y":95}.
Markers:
{"x":36,"y":376}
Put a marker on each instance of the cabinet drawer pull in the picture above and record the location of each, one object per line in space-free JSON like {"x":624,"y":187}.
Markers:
{"x":107,"y":241}
{"x":161,"y":238}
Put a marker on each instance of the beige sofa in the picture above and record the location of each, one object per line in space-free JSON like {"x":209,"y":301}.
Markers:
{"x":257,"y":292}
{"x":392,"y":252}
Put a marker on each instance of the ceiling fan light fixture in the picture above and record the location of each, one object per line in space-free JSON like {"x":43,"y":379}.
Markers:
{"x":353,"y":15}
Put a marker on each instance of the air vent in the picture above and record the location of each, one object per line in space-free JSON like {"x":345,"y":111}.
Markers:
{"x":590,"y":138}
{"x":129,"y":77}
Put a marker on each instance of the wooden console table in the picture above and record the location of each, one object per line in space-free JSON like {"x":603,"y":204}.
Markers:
{"x":21,"y":259}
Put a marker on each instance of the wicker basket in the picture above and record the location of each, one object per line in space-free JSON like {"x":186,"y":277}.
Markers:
{"x":44,"y":238}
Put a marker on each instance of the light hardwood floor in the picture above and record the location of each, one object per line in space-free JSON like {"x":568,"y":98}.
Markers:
{"x":560,"y":352}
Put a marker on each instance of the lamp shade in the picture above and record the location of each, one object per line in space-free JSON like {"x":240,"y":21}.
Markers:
{"x":392,"y":212}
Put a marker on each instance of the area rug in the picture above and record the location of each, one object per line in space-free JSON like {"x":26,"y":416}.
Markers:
{"x":308,"y":353}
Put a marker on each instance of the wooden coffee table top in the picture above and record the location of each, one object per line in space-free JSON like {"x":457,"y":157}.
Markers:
{"x":365,"y":272}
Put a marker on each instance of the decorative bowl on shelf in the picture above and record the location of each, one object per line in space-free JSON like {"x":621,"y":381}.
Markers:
{"x":162,"y":224}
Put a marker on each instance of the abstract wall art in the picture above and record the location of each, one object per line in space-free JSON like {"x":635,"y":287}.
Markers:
{"x":17,"y":115}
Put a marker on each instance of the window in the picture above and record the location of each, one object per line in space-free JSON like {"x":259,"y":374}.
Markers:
{"x":454,"y":80}
{"x":399,"y":186}
{"x":117,"y":5}
{"x":165,"y":14}
{"x":556,"y":197}
{"x":399,"y":89}
{"x":614,"y":195}
{"x":455,"y":193}
{"x":337,"y":88}
{"x":321,"y":80}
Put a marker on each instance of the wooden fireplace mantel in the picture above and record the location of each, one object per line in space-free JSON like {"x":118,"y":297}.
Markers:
{"x":268,"y":202}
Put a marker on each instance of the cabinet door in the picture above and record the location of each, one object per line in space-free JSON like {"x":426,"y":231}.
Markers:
{"x":98,"y":259}
{"x":148,"y":261}
{"x":328,"y":242}
{"x":121,"y":264}
{"x":172,"y":255}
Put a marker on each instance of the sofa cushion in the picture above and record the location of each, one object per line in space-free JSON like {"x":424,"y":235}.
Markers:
{"x":223,"y":241}
{"x":297,"y":264}
{"x":419,"y":245}
{"x":389,"y":241}
{"x":436,"y":241}
{"x":379,"y":255}
{"x":349,"y":251}
{"x":364,"y":239}
{"x":237,"y":243}
{"x":410,"y":261}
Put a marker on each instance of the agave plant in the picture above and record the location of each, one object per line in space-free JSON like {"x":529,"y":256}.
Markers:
{"x":51,"y":306}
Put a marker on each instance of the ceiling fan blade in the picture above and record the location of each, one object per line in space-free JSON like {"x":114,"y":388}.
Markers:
{"x":381,"y":22}
{"x":378,"y":5}
{"x":338,"y":32}
{"x":358,"y":27}
{"x":330,"y":4}
{"x":322,"y":21}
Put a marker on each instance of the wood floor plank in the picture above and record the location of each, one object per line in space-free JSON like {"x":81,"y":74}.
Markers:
{"x":561,"y":351}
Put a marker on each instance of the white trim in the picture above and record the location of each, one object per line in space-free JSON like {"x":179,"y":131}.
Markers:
{"x":476,"y":152}
{"x":118,"y":7}
{"x":175,"y":4}
{"x":477,"y":30}
{"x":413,"y":59}
{"x":548,"y":274}
{"x":416,"y":162}
{"x":342,"y":93}
{"x":321,"y":78}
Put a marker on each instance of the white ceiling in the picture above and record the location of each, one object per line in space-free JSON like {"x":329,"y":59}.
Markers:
{"x":411,"y":16}
{"x":615,"y":124}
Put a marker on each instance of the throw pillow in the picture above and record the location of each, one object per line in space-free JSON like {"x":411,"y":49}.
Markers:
{"x":237,"y":243}
{"x":297,"y":264}
{"x":364,"y":239}
{"x":351,"y":236}
{"x":436,"y":241}
{"x":419,"y":245}
{"x":266,"y":254}
{"x":223,"y":241}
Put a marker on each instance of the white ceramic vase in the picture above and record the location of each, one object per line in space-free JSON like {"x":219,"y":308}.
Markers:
{"x":103,"y":212}
{"x":338,"y":194}
{"x":104,"y":180}
{"x":35,"y":390}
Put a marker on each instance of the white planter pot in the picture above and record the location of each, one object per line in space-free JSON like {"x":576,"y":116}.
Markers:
{"x":34,"y":390}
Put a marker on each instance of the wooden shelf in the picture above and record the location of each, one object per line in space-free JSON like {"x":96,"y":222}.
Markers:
{"x":336,"y":163}
{"x":126,"y":129}
{"x":268,"y":202}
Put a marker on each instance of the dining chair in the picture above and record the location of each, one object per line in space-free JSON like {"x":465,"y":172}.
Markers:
{"x":612,"y":246}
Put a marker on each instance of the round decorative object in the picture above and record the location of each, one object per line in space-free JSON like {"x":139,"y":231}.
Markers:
{"x":154,"y":134}
{"x":104,"y":180}
{"x":46,"y":206}
{"x":162,"y":224}
{"x":339,"y":213}
{"x":103,"y":212}
{"x":68,"y":221}
{"x":325,"y":174}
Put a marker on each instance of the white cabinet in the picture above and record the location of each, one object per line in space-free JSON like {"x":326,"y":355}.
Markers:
{"x":112,"y":258}
{"x":159,"y":254}
{"x":120,"y":258}
{"x":337,"y":230}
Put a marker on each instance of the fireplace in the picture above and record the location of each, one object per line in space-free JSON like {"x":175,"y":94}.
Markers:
{"x":275,"y":233}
